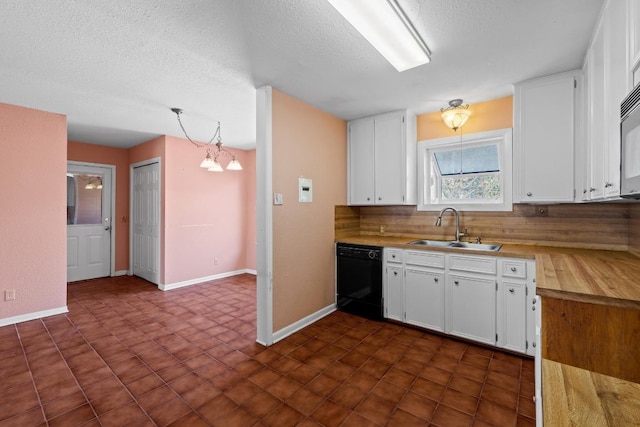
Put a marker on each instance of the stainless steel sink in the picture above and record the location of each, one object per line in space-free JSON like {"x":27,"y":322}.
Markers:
{"x":460,"y":245}
{"x":439,"y":243}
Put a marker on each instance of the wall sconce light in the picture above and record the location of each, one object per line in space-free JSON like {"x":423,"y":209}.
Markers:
{"x":456,"y":114}
{"x":211,"y":159}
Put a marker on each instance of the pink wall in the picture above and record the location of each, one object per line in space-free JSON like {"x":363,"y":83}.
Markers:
{"x":311,"y":143}
{"x":249,"y":165}
{"x":33,"y":233}
{"x":118,"y":157}
{"x":205,"y":215}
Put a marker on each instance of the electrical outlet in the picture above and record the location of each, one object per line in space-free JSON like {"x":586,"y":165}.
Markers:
{"x":10,"y":295}
{"x":382,"y":229}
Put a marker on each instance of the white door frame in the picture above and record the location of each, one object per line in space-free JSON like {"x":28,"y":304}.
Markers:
{"x":264,"y":210}
{"x":132,"y":166}
{"x":112,"y":241}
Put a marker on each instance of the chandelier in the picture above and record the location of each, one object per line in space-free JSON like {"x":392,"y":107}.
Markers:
{"x":456,"y":114}
{"x":211,"y":160}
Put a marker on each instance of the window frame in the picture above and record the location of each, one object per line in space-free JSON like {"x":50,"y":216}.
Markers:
{"x":502,"y":138}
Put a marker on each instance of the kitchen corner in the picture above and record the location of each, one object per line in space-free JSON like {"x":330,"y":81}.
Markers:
{"x":588,"y":277}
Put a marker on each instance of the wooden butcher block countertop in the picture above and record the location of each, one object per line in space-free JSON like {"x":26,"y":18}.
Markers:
{"x":578,"y":397}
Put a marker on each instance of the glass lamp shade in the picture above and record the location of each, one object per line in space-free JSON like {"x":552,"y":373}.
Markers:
{"x":215,"y":167}
{"x":234,"y":165}
{"x":456,"y":117}
{"x":89,"y":186}
{"x":207,"y":162}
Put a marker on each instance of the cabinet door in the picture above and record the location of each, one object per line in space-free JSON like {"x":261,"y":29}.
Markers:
{"x":617,"y":87}
{"x":471,"y":308}
{"x":361,"y":160}
{"x":424,"y":299}
{"x":394,"y":292}
{"x":390,"y":177}
{"x":543,"y":160}
{"x":596,"y":115}
{"x":513,"y":317}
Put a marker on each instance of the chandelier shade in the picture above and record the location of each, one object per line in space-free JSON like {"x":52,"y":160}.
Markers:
{"x":456,"y":114}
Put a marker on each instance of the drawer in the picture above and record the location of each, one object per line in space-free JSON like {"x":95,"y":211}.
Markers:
{"x":514,"y":268}
{"x":473,"y":264}
{"x":425,"y":259}
{"x":394,"y":255}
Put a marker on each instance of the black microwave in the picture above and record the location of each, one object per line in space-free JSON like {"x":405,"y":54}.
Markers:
{"x":630,"y":145}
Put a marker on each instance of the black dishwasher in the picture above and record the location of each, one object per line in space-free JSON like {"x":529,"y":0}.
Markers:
{"x":359,"y":279}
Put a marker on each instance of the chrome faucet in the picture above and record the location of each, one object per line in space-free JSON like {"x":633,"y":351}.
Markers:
{"x":458,"y":233}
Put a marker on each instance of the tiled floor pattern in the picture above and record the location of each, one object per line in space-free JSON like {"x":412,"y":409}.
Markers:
{"x":129,"y":354}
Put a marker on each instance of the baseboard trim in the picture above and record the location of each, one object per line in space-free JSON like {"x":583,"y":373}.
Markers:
{"x":177,"y":285}
{"x":32,"y":316}
{"x":305,"y":321}
{"x":250,"y":271}
{"x":121,"y":273}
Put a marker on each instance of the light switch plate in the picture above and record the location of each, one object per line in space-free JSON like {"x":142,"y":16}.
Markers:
{"x":277,"y":199}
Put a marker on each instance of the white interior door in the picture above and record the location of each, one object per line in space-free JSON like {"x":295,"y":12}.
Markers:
{"x":145,"y":220}
{"x":89,"y":221}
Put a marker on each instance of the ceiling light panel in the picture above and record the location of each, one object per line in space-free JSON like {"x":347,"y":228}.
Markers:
{"x":386,"y":27}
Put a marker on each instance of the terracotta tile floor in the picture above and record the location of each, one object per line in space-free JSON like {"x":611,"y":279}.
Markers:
{"x":129,"y":354}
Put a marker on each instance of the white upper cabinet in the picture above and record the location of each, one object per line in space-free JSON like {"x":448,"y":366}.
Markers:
{"x":608,"y":82}
{"x":596,"y":115}
{"x":543,"y":151}
{"x":382,"y":159}
{"x":361,"y":163}
{"x":634,"y":41}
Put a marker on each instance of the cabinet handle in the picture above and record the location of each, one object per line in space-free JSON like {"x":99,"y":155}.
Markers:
{"x":395,"y":273}
{"x":534,"y":301}
{"x":513,"y":269}
{"x":584,"y":191}
{"x":456,"y":282}
{"x":368,"y":199}
{"x":533,"y":344}
{"x":608,"y":184}
{"x":533,"y":308}
{"x":393,"y":256}
{"x":529,"y":194}
{"x":435,"y":279}
{"x":511,"y":290}
{"x":379,"y":198}
{"x":591,"y":190}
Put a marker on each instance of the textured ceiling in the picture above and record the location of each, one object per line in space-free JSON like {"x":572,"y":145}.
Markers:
{"x":116,"y":67}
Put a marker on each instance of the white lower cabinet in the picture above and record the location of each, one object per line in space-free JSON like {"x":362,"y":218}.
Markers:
{"x":393,"y":302}
{"x":424,"y":298}
{"x":480,"y":298}
{"x":394,"y":284}
{"x":471,"y":308}
{"x":512,"y":315}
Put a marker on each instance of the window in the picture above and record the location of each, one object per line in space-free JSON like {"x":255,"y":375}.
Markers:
{"x":470,"y":173}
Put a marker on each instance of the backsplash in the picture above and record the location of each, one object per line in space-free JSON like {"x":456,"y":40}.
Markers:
{"x":594,"y":225}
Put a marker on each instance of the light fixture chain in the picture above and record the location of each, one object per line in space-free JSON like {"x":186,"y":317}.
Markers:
{"x":217,"y":133}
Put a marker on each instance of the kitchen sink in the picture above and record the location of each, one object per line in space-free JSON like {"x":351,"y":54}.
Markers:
{"x":460,"y":245}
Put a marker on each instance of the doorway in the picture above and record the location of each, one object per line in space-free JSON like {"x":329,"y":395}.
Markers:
{"x":89,"y":221}
{"x":145,"y":220}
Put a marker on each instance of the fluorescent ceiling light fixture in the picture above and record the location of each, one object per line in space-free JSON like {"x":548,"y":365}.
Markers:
{"x":384,"y":25}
